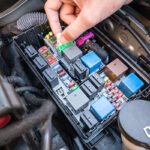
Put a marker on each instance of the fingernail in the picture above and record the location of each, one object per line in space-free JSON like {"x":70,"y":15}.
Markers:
{"x":63,"y":40}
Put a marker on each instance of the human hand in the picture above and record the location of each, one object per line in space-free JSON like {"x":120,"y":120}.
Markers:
{"x":80,"y":15}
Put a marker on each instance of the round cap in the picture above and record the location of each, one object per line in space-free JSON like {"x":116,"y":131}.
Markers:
{"x":134,"y":122}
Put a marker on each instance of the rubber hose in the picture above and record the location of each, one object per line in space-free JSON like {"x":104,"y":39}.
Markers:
{"x":31,"y":19}
{"x":28,"y":88}
{"x":15,"y":80}
{"x":47,"y":135}
{"x":31,"y":98}
{"x":20,"y":70}
{"x":21,"y":127}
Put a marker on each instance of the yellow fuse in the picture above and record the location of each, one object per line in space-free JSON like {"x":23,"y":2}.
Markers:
{"x":50,"y":34}
{"x":106,"y":79}
{"x":47,"y":36}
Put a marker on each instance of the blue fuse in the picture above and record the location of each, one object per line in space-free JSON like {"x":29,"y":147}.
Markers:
{"x":130,"y":85}
{"x":92,"y":61}
{"x":102,"y":108}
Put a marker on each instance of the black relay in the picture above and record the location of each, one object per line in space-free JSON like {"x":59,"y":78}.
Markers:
{"x":30,"y":50}
{"x":80,"y":70}
{"x":97,"y":81}
{"x":51,"y":76}
{"x":88,"y":119}
{"x":40,"y":62}
{"x":89,"y":89}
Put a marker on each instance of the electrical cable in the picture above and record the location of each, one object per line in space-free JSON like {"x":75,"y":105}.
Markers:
{"x":16,"y":80}
{"x":28,"y":88}
{"x":21,"y":127}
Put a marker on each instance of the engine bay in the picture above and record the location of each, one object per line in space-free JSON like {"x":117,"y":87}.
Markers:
{"x":89,"y":80}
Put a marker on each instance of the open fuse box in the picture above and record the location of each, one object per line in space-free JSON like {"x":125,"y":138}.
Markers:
{"x":89,"y":81}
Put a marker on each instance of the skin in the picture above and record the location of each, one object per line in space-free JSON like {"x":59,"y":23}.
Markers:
{"x":80,"y":15}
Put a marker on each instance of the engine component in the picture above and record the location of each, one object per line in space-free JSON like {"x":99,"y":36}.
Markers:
{"x":102,"y":108}
{"x":75,"y":90}
{"x":17,"y":129}
{"x":97,"y":81}
{"x":36,"y":18}
{"x":10,"y":103}
{"x":4,"y":120}
{"x":82,"y":39}
{"x":89,"y":89}
{"x":51,"y":76}
{"x":80,"y":70}
{"x":130,"y":85}
{"x":116,"y":69}
{"x":72,"y":53}
{"x":92,"y":61}
{"x":88,"y":119}
{"x":30,"y":50}
{"x":77,"y":100}
{"x":40,"y":63}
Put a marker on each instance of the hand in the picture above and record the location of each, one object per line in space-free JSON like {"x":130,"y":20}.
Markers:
{"x":80,"y":15}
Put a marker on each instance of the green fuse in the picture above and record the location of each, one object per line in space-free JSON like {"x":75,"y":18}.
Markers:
{"x":74,"y":88}
{"x":64,"y":46}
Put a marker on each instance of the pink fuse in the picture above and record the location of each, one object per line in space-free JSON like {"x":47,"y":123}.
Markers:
{"x":82,"y":39}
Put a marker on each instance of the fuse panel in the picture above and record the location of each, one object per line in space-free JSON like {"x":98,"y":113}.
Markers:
{"x":88,"y":88}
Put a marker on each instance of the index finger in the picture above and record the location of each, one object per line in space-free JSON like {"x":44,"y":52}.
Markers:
{"x":51,"y":9}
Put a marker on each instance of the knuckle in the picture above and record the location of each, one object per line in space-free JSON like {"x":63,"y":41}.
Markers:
{"x":68,"y":34}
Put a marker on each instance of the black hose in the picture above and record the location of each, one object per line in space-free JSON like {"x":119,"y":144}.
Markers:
{"x":31,"y":98}
{"x":47,"y":135}
{"x":20,"y":70}
{"x":29,"y":89}
{"x":21,"y":127}
{"x":47,"y":127}
{"x":15,"y":80}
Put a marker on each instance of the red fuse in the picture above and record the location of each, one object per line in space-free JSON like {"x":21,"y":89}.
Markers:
{"x":51,"y":60}
{"x":72,"y":83}
{"x":60,"y":70}
{"x":43,"y":49}
{"x":109,"y":83}
{"x":119,"y":95}
{"x":116,"y":90}
{"x":62,"y":73}
{"x":117,"y":104}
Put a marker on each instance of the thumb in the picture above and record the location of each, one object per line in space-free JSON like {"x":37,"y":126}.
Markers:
{"x":76,"y":28}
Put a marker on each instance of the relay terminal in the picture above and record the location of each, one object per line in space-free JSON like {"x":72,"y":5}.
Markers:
{"x":89,"y":90}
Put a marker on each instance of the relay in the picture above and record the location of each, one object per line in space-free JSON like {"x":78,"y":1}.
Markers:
{"x":130,"y":85}
{"x":72,"y":53}
{"x":40,"y":62}
{"x":102,"y":108}
{"x":88,"y":119}
{"x":97,"y":81}
{"x":51,"y":76}
{"x":89,"y":89}
{"x":80,"y":70}
{"x":92,"y":61}
{"x":77,"y":100}
{"x":115,"y":69}
{"x":30,"y":50}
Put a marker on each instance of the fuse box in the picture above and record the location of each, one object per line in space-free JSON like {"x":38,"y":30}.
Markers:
{"x":78,"y":80}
